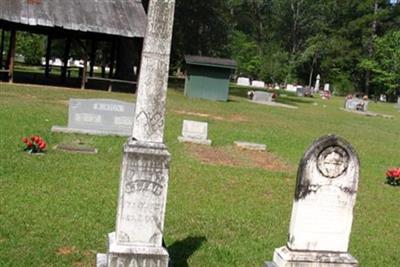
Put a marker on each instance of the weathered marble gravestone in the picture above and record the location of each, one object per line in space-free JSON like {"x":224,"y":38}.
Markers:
{"x":327,"y":87}
{"x":137,"y":240}
{"x":195,"y":132}
{"x":322,"y":213}
{"x":260,"y":84}
{"x":356,"y":104}
{"x":259,"y":96}
{"x":99,"y":117}
{"x":243,"y":81}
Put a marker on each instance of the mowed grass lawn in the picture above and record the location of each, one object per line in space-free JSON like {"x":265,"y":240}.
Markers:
{"x":56,"y":209}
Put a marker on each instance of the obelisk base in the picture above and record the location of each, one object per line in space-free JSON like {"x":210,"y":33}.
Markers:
{"x":132,"y":255}
{"x":284,"y":257}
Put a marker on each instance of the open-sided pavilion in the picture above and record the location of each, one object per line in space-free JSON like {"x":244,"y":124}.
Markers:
{"x":85,"y":21}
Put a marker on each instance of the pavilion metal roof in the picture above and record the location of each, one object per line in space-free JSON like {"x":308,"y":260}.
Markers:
{"x":114,"y":17}
{"x":210,"y":61}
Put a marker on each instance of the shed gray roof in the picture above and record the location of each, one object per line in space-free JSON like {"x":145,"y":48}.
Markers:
{"x":115,"y":17}
{"x":211,"y":61}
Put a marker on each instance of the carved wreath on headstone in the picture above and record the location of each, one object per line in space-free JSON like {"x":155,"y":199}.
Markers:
{"x":332,"y":161}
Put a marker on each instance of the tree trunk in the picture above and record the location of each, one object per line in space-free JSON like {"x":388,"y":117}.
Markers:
{"x":371,"y":48}
{"x":312,"y":71}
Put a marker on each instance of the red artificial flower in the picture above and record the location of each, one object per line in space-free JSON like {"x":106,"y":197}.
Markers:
{"x":29,"y":144}
{"x":393,"y":172}
{"x":25,"y":140}
{"x":42,"y":146}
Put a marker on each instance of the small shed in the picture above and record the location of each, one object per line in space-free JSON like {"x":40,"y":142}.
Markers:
{"x":208,"y":78}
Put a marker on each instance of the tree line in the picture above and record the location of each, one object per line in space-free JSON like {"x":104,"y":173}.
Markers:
{"x":354,"y":45}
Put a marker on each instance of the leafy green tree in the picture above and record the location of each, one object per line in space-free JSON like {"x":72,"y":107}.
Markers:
{"x":31,"y":46}
{"x":244,"y":51}
{"x":385,"y":64}
{"x":200,"y":28}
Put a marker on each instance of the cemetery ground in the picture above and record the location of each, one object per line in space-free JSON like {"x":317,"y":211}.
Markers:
{"x":56,"y":209}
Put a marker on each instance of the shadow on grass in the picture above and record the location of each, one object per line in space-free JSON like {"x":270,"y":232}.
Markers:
{"x":181,"y":250}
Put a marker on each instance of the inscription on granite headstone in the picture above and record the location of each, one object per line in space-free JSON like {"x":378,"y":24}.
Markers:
{"x":99,"y":116}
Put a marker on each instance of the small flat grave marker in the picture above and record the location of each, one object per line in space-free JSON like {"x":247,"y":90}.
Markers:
{"x":195,"y":132}
{"x":250,"y":146}
{"x":322,"y":213}
{"x":99,"y":117}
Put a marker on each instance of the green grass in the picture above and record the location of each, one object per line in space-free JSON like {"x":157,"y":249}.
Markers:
{"x":56,"y":210}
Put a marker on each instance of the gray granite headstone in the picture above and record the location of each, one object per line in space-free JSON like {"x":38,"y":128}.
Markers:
{"x":99,"y":117}
{"x":356,"y":104}
{"x":262,"y":96}
{"x":322,"y":213}
{"x":300,"y":91}
{"x":195,"y":132}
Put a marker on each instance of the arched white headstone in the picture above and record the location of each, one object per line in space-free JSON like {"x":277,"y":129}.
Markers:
{"x":322,"y":214}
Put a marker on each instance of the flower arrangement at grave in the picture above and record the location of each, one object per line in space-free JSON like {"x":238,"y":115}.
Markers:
{"x":34,"y":144}
{"x":393,"y":176}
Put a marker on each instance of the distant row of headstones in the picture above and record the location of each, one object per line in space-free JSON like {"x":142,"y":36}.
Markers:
{"x":325,"y":191}
{"x":113,"y":117}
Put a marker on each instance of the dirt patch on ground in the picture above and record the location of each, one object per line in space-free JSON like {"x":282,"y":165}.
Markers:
{"x":64,"y":251}
{"x":233,"y":156}
{"x":234,"y":117}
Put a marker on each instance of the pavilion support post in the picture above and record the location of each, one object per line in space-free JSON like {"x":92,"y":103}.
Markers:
{"x":48,"y":54}
{"x":112,"y":59}
{"x":2,"y":48}
{"x":11,"y":56}
{"x":66,"y":57}
{"x":92,"y":57}
{"x":84,"y":73}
